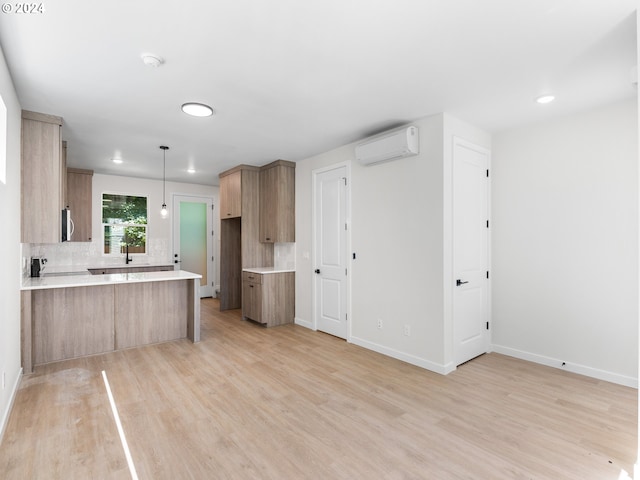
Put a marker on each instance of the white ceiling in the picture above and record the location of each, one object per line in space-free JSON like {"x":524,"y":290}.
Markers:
{"x":291,"y":78}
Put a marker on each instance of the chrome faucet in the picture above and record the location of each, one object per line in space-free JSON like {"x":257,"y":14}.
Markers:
{"x":127,"y":258}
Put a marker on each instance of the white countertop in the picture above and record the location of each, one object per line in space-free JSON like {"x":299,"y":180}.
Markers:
{"x":262,"y":270}
{"x":88,"y":280}
{"x":72,"y":269}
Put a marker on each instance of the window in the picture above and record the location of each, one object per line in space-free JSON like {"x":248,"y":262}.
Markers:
{"x":124,"y":223}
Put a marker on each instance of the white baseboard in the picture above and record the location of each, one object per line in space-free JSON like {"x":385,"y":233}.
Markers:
{"x":405,"y":357}
{"x":570,"y":367}
{"x":7,"y":412}
{"x":303,"y":323}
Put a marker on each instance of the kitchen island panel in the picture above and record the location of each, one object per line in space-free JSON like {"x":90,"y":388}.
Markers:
{"x":72,"y":316}
{"x":72,"y":322}
{"x":151,"y":312}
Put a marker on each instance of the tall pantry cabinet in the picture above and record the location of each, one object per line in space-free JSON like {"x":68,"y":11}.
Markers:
{"x":257,"y":209}
{"x":240,"y":246}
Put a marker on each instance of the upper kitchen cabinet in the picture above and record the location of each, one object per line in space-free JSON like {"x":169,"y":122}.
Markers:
{"x":231,"y":194}
{"x":79,"y":190}
{"x":63,"y":175}
{"x":43,"y":173}
{"x":277,"y":202}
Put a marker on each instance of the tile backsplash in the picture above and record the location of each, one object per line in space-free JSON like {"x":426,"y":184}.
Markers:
{"x":284,"y":255}
{"x":68,"y":256}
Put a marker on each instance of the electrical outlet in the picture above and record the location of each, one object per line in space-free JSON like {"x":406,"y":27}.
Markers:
{"x":379,"y":323}
{"x":407,"y":330}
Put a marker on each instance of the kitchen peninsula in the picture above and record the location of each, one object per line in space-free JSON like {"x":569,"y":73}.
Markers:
{"x":77,"y":315}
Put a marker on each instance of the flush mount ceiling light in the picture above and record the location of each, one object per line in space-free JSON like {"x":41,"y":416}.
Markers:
{"x":546,"y":98}
{"x":191,"y":170}
{"x":197,"y":109}
{"x":164,"y":148}
{"x":152,"y":60}
{"x":117,"y":160}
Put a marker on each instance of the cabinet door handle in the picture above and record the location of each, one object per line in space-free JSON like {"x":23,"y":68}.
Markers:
{"x":250,"y":286}
{"x":460,"y":282}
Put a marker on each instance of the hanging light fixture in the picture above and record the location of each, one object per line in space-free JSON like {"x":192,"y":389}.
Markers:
{"x":164,"y":148}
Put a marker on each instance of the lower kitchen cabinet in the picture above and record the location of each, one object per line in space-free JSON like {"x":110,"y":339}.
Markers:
{"x":268,"y":298}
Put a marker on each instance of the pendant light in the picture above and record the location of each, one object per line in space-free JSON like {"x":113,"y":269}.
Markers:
{"x":164,"y":148}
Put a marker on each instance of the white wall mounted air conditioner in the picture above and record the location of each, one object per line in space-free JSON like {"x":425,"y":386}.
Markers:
{"x":389,"y":146}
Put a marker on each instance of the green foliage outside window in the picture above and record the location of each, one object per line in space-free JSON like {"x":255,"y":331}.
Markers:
{"x":124,"y":220}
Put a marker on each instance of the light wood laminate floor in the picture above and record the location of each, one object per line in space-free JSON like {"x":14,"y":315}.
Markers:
{"x":289,"y":403}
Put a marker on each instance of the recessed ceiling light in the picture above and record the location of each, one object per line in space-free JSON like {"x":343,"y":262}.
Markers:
{"x":197,"y":109}
{"x":117,"y":160}
{"x":191,"y":170}
{"x":547,"y":98}
{"x":152,"y":60}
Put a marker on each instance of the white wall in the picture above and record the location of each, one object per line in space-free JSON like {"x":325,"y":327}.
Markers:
{"x":397,"y":212}
{"x":565,"y":242}
{"x":398,"y":234}
{"x":10,"y":248}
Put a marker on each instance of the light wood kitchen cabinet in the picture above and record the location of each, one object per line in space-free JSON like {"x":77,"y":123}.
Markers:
{"x":240,"y":245}
{"x":231,"y":195}
{"x":277,"y":202}
{"x":63,"y":176}
{"x":252,"y":296}
{"x":79,"y":197}
{"x":42,"y":178}
{"x":268,"y":298}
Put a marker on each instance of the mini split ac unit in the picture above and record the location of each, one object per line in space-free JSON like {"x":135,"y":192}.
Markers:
{"x":389,"y":146}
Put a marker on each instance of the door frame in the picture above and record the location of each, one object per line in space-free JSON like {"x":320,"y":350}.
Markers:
{"x":314,"y":277}
{"x":450,"y":363}
{"x":211,"y":270}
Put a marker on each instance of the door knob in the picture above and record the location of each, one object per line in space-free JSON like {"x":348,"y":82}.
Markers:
{"x":460,"y":282}
{"x":317,"y":270}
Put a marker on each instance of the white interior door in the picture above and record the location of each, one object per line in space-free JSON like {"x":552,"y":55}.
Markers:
{"x":330,"y":250}
{"x":193,"y":238}
{"x":470,"y":250}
